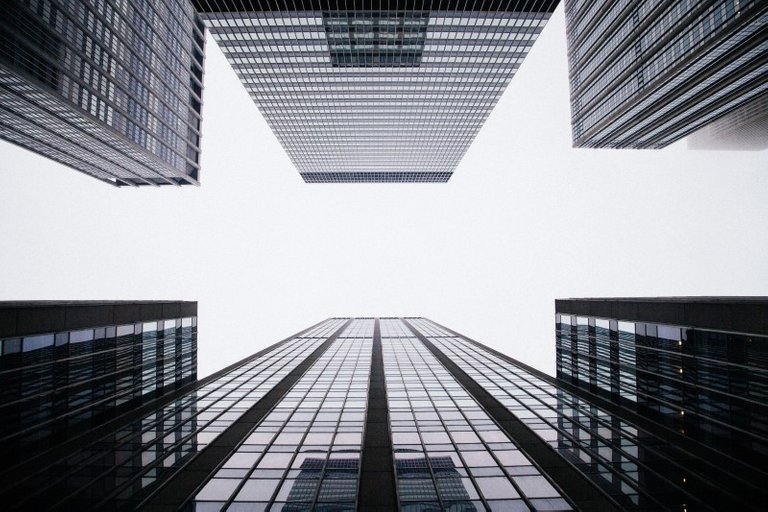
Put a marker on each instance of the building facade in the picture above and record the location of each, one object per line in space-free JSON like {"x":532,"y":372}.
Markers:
{"x":381,"y":414}
{"x":110,"y":88}
{"x":646,"y":74}
{"x":65,"y":366}
{"x":696,"y":367}
{"x":370,"y":91}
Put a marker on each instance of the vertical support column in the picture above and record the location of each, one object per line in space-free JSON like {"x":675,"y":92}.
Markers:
{"x":615,"y":365}
{"x":592,"y":353}
{"x":377,"y":476}
{"x":573,"y":346}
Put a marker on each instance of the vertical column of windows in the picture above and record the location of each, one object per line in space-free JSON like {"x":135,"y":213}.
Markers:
{"x":582,"y":350}
{"x":565,"y":361}
{"x":603,"y":364}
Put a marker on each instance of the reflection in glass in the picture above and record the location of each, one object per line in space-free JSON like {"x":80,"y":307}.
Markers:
{"x":51,"y":383}
{"x":305,"y":453}
{"x":637,"y":468}
{"x":449,"y":454}
{"x":142,"y":451}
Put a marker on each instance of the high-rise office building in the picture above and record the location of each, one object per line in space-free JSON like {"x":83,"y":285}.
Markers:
{"x":646,"y":74}
{"x":696,"y":366}
{"x":381,"y":414}
{"x":65,"y":366}
{"x":375,"y":91}
{"x":111,"y":89}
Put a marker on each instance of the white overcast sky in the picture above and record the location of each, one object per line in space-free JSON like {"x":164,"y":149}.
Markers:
{"x":524,"y":220}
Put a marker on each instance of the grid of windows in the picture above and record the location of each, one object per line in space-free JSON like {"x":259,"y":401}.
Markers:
{"x":449,"y":453}
{"x":709,"y":385}
{"x":54,"y":381}
{"x":581,"y":362}
{"x":376,"y":177}
{"x":374,"y":38}
{"x":305,"y":454}
{"x":375,"y":95}
{"x":637,"y":468}
{"x":123,"y":78}
{"x":112,"y":470}
{"x":645,"y":74}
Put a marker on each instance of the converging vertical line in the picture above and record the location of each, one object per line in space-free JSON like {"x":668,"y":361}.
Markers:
{"x":377,"y":477}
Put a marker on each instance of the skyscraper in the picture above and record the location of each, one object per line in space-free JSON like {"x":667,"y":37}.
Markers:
{"x":375,"y":91}
{"x":65,"y":366}
{"x":112,"y":89}
{"x":695,"y":366}
{"x":646,"y":74}
{"x":381,"y":414}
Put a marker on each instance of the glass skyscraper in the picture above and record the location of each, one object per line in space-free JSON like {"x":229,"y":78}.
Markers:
{"x":65,"y":366}
{"x":375,"y":91}
{"x":110,"y":88}
{"x":646,"y":74}
{"x":381,"y":414}
{"x":697,"y":367}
